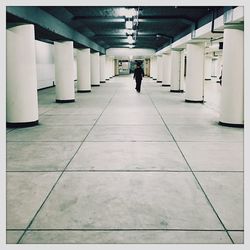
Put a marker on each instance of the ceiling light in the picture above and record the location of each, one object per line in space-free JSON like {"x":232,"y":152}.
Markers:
{"x":129,"y":24}
{"x":128,"y":13}
{"x":131,"y":46}
{"x":130,"y":32}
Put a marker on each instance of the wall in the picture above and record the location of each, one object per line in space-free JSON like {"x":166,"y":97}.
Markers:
{"x":45,"y":64}
{"x":125,"y":53}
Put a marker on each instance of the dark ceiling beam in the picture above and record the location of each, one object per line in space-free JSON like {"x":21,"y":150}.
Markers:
{"x":99,"y":19}
{"x":143,"y":19}
{"x":41,"y":18}
{"x":150,"y":19}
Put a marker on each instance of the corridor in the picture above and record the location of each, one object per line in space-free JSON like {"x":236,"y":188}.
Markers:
{"x":117,"y":166}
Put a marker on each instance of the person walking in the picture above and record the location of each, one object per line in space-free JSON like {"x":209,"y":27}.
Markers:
{"x":138,"y":75}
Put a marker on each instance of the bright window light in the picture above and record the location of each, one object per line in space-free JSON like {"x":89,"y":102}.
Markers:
{"x":128,"y":13}
{"x":129,"y":32}
{"x":130,"y":39}
{"x":129,"y":24}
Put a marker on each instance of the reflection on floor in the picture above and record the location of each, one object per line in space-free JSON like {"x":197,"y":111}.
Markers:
{"x":117,"y":166}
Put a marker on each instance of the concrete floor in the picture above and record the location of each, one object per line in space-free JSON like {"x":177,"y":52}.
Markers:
{"x":121,"y":167}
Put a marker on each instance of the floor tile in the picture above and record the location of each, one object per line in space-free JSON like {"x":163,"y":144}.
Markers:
{"x":225,"y":191}
{"x":204,"y":118}
{"x":238,"y":237}
{"x":25,"y":194}
{"x":128,"y":156}
{"x":13,"y":236}
{"x":9,"y":129}
{"x":49,"y":133}
{"x":39,"y":156}
{"x":213,"y":156}
{"x":75,"y":111}
{"x":126,"y":201}
{"x":127,"y":111}
{"x":68,"y":119}
{"x":42,"y":110}
{"x":126,"y":237}
{"x":129,"y":133}
{"x":131,"y":119}
{"x":206,"y":133}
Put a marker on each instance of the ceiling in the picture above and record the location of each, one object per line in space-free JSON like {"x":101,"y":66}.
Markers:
{"x":157,"y":26}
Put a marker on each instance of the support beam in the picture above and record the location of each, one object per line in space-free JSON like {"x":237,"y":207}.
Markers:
{"x":159,"y":69}
{"x":83,"y":70}
{"x":41,"y":18}
{"x":64,"y":72}
{"x":232,"y":92}
{"x":95,"y":69}
{"x":22,"y":102}
{"x":195,"y":73}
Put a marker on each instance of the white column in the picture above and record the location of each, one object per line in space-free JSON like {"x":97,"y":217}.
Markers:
{"x":182,"y":71}
{"x":64,"y":72}
{"x":208,"y":67}
{"x":159,"y":68}
{"x":176,"y":71}
{"x":116,"y":67}
{"x":150,"y":68}
{"x":22,"y":102}
{"x":95,"y":69}
{"x":195,"y":73}
{"x":83,"y":70}
{"x":166,"y":63}
{"x":219,"y":68}
{"x":232,"y":92}
{"x":113,"y":67}
{"x":214,"y":67}
{"x":154,"y":68}
{"x":107,"y":68}
{"x":102,"y":68}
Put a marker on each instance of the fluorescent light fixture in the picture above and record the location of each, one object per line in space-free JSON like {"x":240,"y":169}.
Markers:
{"x":128,"y":13}
{"x":129,"y":32}
{"x":129,"y":24}
{"x":131,"y":46}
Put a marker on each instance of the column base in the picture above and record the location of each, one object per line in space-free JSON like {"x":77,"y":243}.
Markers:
{"x":65,"y":101}
{"x":21,"y":124}
{"x":107,"y":79}
{"x":176,"y":91}
{"x":83,"y":91}
{"x":191,"y":101}
{"x":102,"y":81}
{"x":47,"y":87}
{"x":231,"y":125}
{"x":165,"y":85}
{"x":96,"y":85}
{"x":159,"y":81}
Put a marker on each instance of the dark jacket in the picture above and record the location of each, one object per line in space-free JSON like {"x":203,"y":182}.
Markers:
{"x":138,"y":73}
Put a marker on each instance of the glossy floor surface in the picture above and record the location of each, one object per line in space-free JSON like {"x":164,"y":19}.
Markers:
{"x":119,"y":166}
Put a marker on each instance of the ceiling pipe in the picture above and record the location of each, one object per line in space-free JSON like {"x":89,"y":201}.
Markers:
{"x":212,"y":26}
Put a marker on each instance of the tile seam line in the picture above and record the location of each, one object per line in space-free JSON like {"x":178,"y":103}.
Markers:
{"x":47,"y":196}
{"x":203,"y":191}
{"x":123,"y":229}
{"x":114,"y":171}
